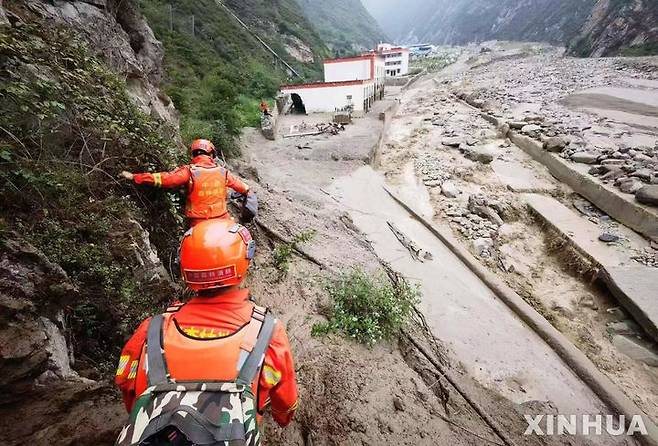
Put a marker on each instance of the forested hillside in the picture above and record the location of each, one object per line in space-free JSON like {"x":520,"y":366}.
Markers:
{"x":216,"y":72}
{"x":345,"y":25}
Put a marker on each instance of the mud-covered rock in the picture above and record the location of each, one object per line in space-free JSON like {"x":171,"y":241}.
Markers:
{"x":555,"y":144}
{"x":648,"y":195}
{"x":585,"y":157}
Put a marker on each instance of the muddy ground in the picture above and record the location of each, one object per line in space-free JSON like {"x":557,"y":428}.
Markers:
{"x":391,"y":394}
{"x":531,"y":259}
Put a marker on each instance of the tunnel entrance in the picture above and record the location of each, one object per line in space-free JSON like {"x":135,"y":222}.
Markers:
{"x":298,"y":106}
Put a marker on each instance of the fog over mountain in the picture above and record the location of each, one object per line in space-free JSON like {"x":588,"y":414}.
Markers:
{"x":587,"y":27}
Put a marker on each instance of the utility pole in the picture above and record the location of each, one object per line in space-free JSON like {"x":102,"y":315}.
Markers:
{"x":171,"y":17}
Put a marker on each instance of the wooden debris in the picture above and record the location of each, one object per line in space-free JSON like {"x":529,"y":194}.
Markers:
{"x":417,"y":253}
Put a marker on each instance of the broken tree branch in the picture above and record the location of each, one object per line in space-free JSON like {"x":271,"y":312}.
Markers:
{"x":417,"y":253}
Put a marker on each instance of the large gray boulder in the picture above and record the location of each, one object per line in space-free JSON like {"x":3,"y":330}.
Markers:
{"x":648,"y":195}
{"x":555,"y":144}
{"x":268,"y":126}
{"x":584,"y":157}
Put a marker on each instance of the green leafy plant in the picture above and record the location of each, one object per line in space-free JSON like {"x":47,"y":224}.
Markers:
{"x":367,"y":308}
{"x":283,"y":251}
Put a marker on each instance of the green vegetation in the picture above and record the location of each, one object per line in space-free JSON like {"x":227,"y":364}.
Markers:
{"x":67,"y":126}
{"x":368,"y":308}
{"x":647,"y":49}
{"x":283,"y":251}
{"x":344,"y":25}
{"x":217,"y":76}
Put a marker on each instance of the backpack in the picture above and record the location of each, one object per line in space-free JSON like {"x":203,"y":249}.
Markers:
{"x":204,"y":413}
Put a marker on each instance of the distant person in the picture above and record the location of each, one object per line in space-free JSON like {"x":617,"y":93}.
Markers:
{"x":265,"y":108}
{"x":207,"y":185}
{"x":204,"y":372}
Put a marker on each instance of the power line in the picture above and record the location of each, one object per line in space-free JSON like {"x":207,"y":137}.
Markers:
{"x":262,"y":42}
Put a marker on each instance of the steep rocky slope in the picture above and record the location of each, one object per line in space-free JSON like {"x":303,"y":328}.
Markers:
{"x":345,"y":25}
{"x":79,"y":251}
{"x":463,"y":21}
{"x":619,"y":28}
{"x":590,"y":27}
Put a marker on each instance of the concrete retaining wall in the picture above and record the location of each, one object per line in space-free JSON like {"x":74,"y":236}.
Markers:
{"x":387,"y":116}
{"x":620,"y":206}
{"x":626,"y":210}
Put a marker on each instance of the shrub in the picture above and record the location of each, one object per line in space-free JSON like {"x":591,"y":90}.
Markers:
{"x":367,"y":308}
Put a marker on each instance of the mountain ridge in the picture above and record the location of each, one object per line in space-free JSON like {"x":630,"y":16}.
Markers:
{"x":586,"y":27}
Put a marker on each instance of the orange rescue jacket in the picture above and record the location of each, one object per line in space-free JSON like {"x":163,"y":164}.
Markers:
{"x":207,"y":186}
{"x":202,"y":341}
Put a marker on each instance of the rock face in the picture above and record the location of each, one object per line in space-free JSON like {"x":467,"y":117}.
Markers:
{"x":119,"y":34}
{"x":36,"y":360}
{"x":46,"y":392}
{"x":616,"y":27}
{"x":589,"y":27}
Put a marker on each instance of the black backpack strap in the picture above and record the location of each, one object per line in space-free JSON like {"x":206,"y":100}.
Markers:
{"x":157,"y":365}
{"x":253,"y":362}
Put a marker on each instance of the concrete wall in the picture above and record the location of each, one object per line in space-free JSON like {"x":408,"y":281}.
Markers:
{"x":323,"y":99}
{"x":347,"y":71}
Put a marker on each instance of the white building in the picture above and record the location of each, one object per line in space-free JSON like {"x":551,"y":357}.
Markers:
{"x":354,"y":82}
{"x":396,"y":59}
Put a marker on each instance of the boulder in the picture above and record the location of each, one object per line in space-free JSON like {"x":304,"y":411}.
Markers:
{"x":555,"y":144}
{"x":584,"y":157}
{"x":452,"y":142}
{"x":608,"y":237}
{"x":483,"y":246}
{"x":481,"y":154}
{"x":643,"y":174}
{"x":268,"y":126}
{"x":648,"y":195}
{"x":503,"y":130}
{"x":449,"y":189}
{"x":531,"y":129}
{"x":635,"y":350}
{"x":630,"y":186}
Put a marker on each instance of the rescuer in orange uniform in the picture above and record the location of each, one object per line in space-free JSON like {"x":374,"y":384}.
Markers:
{"x":207,"y":184}
{"x":202,"y":338}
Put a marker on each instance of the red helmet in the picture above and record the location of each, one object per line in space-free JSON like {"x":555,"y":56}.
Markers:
{"x":202,"y":145}
{"x":215,"y":253}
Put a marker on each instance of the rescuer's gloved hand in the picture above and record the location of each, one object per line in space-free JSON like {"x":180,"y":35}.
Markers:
{"x":249,"y":205}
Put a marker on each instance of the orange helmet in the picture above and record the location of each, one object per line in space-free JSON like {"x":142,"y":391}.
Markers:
{"x":202,"y":145}
{"x":215,"y":253}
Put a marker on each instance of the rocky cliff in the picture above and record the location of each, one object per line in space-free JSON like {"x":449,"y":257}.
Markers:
{"x":589,"y":27}
{"x":619,"y":28}
{"x":344,"y":25}
{"x":79,"y":251}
